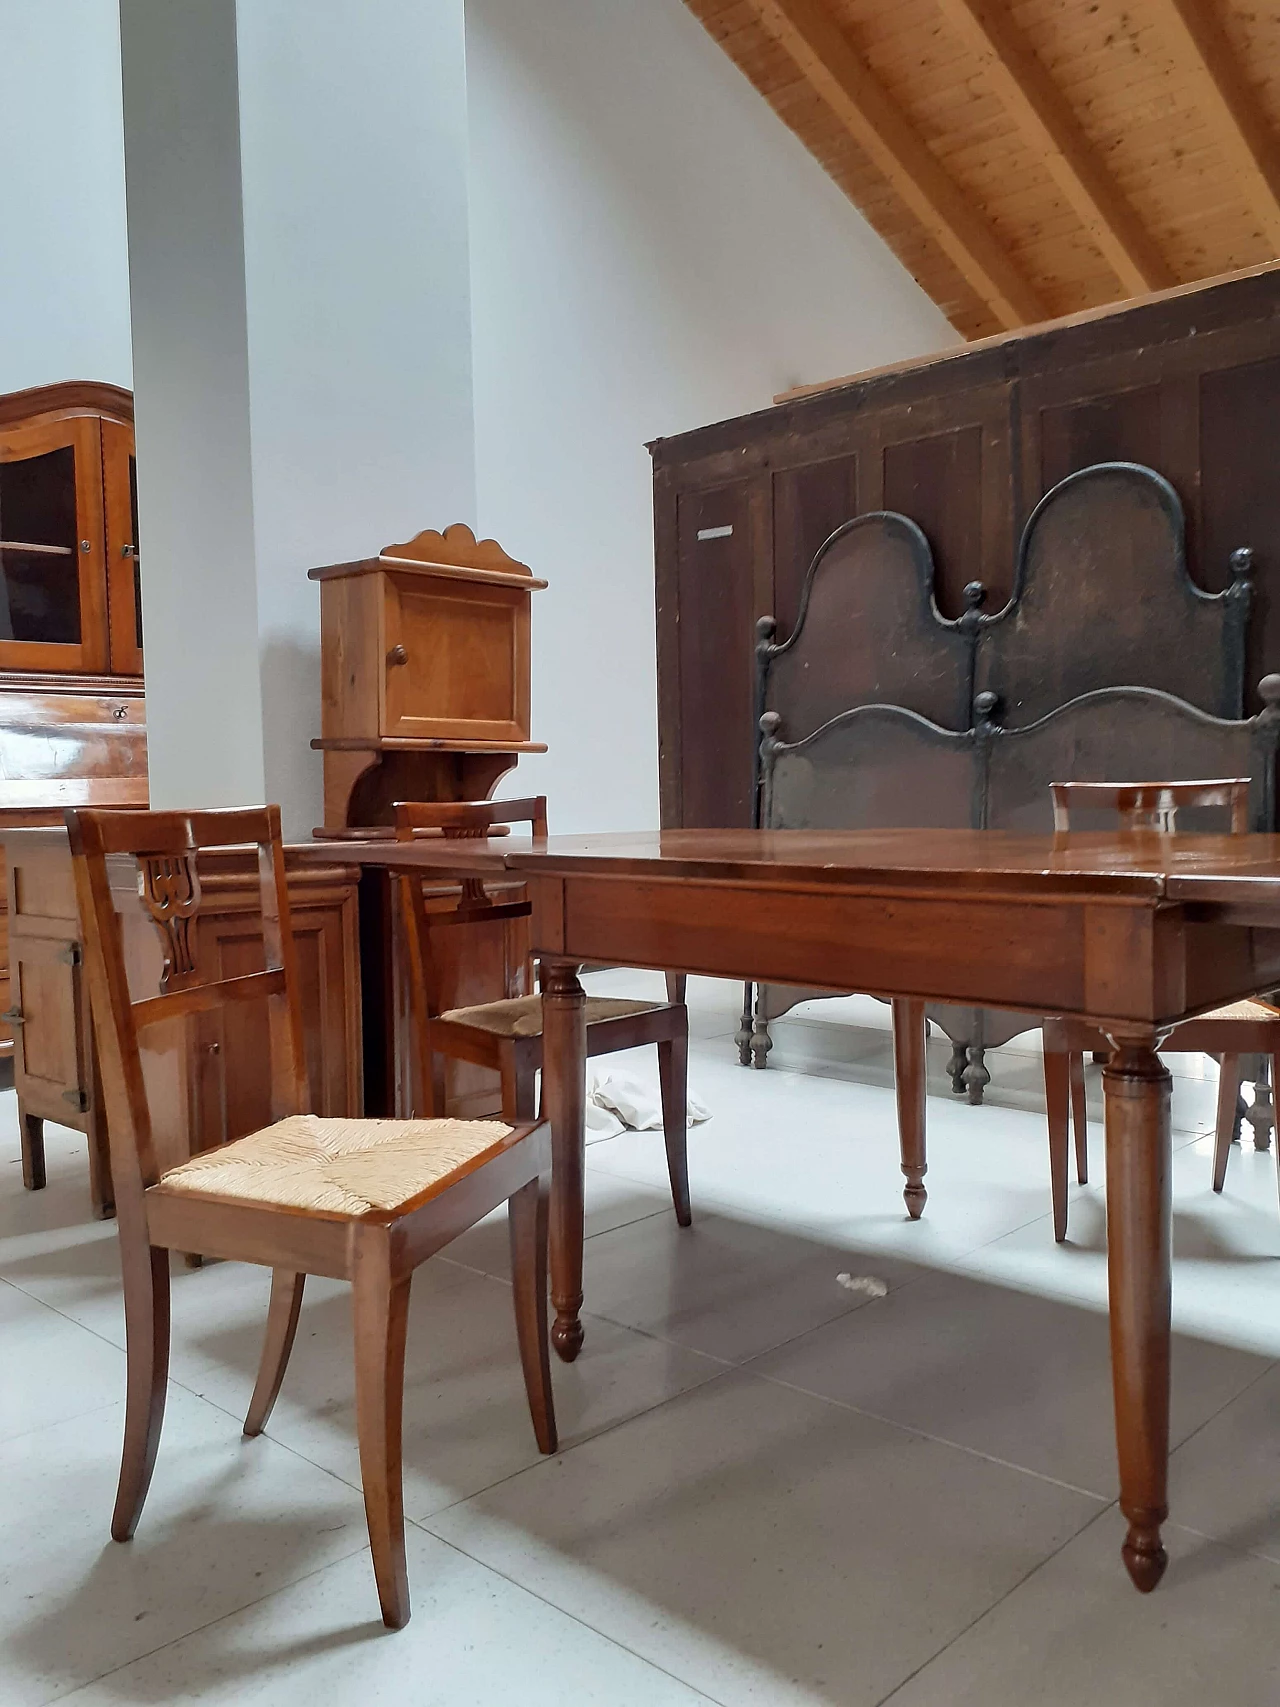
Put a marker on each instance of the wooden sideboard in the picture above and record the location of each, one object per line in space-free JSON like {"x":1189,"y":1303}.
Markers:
{"x":72,"y":715}
{"x":964,"y":444}
{"x":60,"y":749}
{"x":211,"y":1078}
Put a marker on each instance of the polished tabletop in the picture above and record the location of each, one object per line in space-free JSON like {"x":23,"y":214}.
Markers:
{"x":1211,"y":868}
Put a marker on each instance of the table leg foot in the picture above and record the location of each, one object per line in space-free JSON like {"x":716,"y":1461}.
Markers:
{"x":1144,"y":1556}
{"x":566,"y":1335}
{"x":915,"y":1197}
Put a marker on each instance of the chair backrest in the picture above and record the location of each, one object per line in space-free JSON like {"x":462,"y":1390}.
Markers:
{"x":1152,"y":805}
{"x":164,"y":847}
{"x":461,"y":820}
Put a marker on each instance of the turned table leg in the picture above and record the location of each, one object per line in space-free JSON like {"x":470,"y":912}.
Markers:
{"x":909,"y":1085}
{"x":1137,"y":1087}
{"x":564,"y":1090}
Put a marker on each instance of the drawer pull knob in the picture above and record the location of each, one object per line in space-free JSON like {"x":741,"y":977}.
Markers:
{"x":71,"y":955}
{"x":14,"y":1016}
{"x":397,"y":655}
{"x":79,"y":1100}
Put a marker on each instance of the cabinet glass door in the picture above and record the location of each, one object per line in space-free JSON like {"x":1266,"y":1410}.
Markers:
{"x":124,"y":576}
{"x":52,"y":591}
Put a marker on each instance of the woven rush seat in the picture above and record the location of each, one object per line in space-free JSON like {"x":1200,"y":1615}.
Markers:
{"x":1249,"y":1009}
{"x":343,"y":1167}
{"x":521,"y":1016}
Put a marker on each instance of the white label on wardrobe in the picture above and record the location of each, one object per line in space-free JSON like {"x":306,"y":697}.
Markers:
{"x":714,"y":533}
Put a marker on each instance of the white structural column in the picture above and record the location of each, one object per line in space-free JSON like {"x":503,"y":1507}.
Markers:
{"x":191,"y":397}
{"x":296,"y":176}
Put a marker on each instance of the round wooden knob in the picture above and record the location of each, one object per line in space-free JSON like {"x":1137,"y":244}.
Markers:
{"x":397,"y":655}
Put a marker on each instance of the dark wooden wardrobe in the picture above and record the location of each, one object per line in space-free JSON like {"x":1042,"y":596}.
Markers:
{"x":965,"y":443}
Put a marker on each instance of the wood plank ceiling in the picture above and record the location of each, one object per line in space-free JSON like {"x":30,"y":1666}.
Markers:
{"x":1031,"y":158}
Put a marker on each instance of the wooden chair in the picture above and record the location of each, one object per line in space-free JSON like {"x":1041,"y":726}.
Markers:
{"x":1250,"y":1027}
{"x":365,"y":1200}
{"x":506,"y":1035}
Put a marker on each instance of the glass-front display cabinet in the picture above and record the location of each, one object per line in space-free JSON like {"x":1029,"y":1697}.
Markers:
{"x":70,"y":598}
{"x":73,"y":728}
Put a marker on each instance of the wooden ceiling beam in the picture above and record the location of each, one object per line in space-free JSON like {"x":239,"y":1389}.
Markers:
{"x":1045,"y":118}
{"x":1189,"y":29}
{"x":828,"y":62}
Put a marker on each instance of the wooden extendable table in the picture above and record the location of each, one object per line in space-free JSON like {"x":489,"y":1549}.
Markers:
{"x":1132,"y":932}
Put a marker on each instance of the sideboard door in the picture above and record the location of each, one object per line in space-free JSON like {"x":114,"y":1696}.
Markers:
{"x":53,"y":596}
{"x":53,"y":1061}
{"x":124,"y":575}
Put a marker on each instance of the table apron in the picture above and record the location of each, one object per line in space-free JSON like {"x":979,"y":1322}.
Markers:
{"x":1144,"y":961}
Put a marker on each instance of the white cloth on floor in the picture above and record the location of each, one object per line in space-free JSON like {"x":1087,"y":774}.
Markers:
{"x":618,"y":1101}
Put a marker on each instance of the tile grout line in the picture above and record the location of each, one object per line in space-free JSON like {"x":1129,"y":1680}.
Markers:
{"x":34,"y":1298}
{"x":295,"y":1582}
{"x":563,"y":1452}
{"x":600,"y":1233}
{"x":995,"y":1604}
{"x":575,"y":1617}
{"x":726,"y":1368}
{"x":1107,"y":1500}
{"x":420,"y":1524}
{"x":937,"y":1439}
{"x":198,"y":1629}
{"x":727,"y":1365}
{"x":7,"y":1440}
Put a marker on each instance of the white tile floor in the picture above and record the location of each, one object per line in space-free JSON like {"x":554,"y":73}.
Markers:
{"x":771,"y":1489}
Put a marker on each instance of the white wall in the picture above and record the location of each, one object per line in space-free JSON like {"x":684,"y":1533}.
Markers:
{"x":651,"y":250}
{"x":191,"y":402}
{"x":353,"y":123}
{"x":64,"y":272}
{"x":298,"y":232}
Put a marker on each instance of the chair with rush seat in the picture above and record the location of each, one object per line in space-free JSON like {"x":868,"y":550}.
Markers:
{"x":506,"y":1035}
{"x":364,"y":1200}
{"x":1242,"y":1028}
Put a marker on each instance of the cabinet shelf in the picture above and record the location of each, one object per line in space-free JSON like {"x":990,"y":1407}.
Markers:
{"x":418,"y":744}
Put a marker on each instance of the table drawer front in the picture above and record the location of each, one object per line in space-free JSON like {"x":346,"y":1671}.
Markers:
{"x":1019,"y":955}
